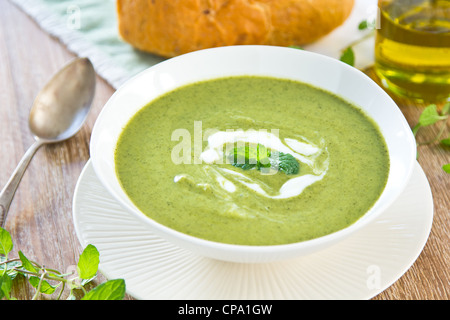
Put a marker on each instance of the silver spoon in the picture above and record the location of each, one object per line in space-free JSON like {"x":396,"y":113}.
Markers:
{"x":57,"y":114}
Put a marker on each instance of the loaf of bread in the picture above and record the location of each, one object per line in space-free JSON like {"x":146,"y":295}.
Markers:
{"x":172,"y":27}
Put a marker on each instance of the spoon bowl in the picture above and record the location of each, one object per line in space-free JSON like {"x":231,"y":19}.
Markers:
{"x":61,"y":107}
{"x":57,"y":114}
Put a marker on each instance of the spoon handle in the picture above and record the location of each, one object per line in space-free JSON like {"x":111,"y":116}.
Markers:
{"x":7,"y":194}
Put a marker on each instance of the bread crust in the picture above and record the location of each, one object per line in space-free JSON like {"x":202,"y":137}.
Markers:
{"x":172,"y":27}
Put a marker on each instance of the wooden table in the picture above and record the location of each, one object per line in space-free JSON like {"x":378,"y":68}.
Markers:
{"x":40,"y":217}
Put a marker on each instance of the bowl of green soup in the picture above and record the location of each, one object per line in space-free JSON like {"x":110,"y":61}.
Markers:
{"x":252,"y":153}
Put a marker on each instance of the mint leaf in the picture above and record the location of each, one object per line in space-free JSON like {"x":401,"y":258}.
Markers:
{"x":6,"y":243}
{"x":446,"y":167}
{"x":363,"y":25}
{"x":348,"y":56}
{"x":446,"y":142}
{"x":430,"y":116}
{"x":88,"y":263}
{"x":46,"y":287}
{"x":110,"y":290}
{"x":5,"y":286}
{"x":26,"y":264}
{"x":284,"y":162}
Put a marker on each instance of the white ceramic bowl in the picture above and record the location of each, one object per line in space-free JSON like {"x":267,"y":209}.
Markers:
{"x":317,"y":70}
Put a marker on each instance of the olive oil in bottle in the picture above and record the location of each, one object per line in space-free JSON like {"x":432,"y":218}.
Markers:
{"x":412,"y":49}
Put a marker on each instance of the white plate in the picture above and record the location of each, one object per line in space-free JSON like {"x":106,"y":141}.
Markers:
{"x":359,"y":267}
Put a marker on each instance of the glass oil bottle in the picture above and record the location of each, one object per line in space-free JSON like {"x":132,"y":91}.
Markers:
{"x":412,"y":49}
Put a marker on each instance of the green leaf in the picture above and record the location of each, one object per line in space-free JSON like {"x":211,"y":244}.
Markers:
{"x":430,"y":116}
{"x":26,"y":263}
{"x":88,"y":264}
{"x":284,"y":162}
{"x":46,"y":287}
{"x":6,"y":243}
{"x":348,"y":56}
{"x":363,"y":25}
{"x":446,"y":142}
{"x":446,"y":167}
{"x":5,"y":286}
{"x":110,"y":290}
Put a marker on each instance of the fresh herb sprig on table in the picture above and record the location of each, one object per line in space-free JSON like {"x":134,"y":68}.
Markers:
{"x":42,"y":278}
{"x":431,"y":116}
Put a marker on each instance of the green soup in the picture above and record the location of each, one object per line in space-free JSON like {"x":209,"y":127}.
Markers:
{"x":176,"y":160}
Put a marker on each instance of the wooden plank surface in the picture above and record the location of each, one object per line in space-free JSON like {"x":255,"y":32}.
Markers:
{"x":40,"y":217}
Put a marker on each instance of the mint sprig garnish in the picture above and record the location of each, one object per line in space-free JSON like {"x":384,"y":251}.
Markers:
{"x":258,"y":157}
